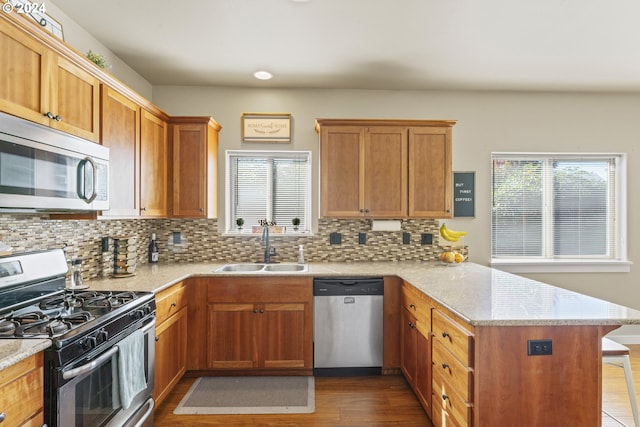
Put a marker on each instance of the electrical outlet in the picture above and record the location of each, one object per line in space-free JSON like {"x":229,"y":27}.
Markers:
{"x":105,"y":244}
{"x":362,"y":238}
{"x":335,"y":238}
{"x":426,"y":238}
{"x":539,"y":347}
{"x":177,"y":237}
{"x":406,"y":238}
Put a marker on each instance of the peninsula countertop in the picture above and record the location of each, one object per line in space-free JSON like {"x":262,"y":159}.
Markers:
{"x":482,"y":296}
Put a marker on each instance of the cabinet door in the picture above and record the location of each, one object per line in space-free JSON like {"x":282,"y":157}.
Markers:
{"x":385,"y":172}
{"x":75,"y":99}
{"x":430,"y":180}
{"x":120,"y":123}
{"x":283,"y":330}
{"x":153,"y":166}
{"x":230,"y":339}
{"x":423,"y":371}
{"x":171,"y":354}
{"x":24,"y":75}
{"x":409,"y":345}
{"x":341,"y":171}
{"x":22,"y":392}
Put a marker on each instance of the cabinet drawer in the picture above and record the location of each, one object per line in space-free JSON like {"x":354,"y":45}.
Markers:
{"x":21,"y":391}
{"x":453,"y":337}
{"x":452,"y":371}
{"x":417,"y":305}
{"x":447,"y":400}
{"x":170,"y":301}
{"x":440,"y":417}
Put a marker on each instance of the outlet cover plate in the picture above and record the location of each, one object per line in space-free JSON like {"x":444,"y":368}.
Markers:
{"x":362,"y":238}
{"x":426,"y":239}
{"x":335,"y":238}
{"x":539,"y":347}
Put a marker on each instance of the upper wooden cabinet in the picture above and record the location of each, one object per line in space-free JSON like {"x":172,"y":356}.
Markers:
{"x":195,"y":160}
{"x":39,"y":85}
{"x":154,"y":163}
{"x":121,"y":133}
{"x":385,"y":168}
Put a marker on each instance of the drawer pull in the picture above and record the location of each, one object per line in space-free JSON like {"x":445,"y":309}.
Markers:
{"x":412,"y":325}
{"x":174,"y":304}
{"x":412,"y":306}
{"x":255,"y":310}
{"x":444,"y":365}
{"x":445,"y":334}
{"x":444,"y":397}
{"x":2,"y":417}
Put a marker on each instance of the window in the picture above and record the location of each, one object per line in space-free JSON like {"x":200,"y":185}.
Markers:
{"x":558,"y":212}
{"x":271,"y":185}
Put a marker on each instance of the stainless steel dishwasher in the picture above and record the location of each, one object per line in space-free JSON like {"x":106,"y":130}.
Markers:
{"x":347,"y":325}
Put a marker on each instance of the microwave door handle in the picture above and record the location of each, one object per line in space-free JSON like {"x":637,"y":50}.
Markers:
{"x":82,"y":192}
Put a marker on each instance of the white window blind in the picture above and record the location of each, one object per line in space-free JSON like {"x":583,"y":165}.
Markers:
{"x":271,"y":185}
{"x":557,"y":207}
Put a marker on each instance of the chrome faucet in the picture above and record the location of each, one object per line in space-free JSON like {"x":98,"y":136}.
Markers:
{"x":268,"y":250}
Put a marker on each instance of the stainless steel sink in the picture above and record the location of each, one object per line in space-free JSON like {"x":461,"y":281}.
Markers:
{"x":263,"y":268}
{"x":286,"y":267}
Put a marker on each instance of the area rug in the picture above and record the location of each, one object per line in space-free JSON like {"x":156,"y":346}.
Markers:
{"x":249,"y":395}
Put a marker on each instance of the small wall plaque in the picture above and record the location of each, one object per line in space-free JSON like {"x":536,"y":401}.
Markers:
{"x":266,"y":127}
{"x":464,"y":194}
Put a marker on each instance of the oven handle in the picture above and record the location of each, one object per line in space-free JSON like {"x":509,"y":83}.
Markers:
{"x":81,"y":370}
{"x":147,"y":413}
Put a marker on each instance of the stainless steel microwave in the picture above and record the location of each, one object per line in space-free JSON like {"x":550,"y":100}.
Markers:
{"x":45,"y":170}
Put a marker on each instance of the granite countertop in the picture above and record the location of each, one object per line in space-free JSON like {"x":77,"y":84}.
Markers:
{"x":480,"y":295}
{"x":13,"y":351}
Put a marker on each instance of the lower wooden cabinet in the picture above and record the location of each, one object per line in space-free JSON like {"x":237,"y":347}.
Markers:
{"x":416,"y":345}
{"x":252,"y":324}
{"x":22,"y":393}
{"x":171,"y":340}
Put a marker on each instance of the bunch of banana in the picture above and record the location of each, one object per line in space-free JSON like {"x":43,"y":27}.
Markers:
{"x":451,"y":235}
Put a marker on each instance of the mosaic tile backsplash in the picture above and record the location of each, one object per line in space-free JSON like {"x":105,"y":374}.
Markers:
{"x":198,"y":240}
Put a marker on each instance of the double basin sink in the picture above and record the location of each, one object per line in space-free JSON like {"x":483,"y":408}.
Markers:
{"x":263,"y":268}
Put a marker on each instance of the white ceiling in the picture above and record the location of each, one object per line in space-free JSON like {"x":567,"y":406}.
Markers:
{"x":591,"y":45}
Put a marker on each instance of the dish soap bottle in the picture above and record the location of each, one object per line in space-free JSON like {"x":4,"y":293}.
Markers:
{"x":153,"y":249}
{"x":301,"y":254}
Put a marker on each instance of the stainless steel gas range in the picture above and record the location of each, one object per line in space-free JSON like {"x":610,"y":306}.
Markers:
{"x":99,"y":369}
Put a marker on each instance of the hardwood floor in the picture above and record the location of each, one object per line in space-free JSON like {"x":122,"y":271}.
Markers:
{"x":358,"y":401}
{"x":383,"y":401}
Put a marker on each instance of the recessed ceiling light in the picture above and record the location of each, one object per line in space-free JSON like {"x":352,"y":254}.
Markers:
{"x":263,"y":75}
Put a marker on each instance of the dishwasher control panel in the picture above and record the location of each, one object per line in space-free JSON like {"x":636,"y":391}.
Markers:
{"x":348,"y":286}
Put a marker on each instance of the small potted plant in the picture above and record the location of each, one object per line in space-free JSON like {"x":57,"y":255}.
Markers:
{"x":296,"y":223}
{"x":239,"y":223}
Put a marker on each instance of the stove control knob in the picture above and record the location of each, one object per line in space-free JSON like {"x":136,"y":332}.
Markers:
{"x":89,"y":343}
{"x":102,"y":336}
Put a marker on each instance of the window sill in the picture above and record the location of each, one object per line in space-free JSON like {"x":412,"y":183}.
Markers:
{"x":561,"y":266}
{"x":248,"y":233}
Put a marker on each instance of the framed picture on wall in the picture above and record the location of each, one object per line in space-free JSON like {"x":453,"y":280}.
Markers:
{"x":266,"y":127}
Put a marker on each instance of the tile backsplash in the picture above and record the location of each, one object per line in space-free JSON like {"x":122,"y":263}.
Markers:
{"x":198,"y":240}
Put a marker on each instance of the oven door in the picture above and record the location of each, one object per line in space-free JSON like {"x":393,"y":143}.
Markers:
{"x":86,"y":396}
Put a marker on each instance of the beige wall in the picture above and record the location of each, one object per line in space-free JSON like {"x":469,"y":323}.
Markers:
{"x":487,"y":121}
{"x":83,"y":41}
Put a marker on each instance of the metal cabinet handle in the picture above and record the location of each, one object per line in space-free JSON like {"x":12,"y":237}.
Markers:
{"x":412,"y":306}
{"x":444,"y":397}
{"x":445,"y":334}
{"x":444,"y":366}
{"x":174,"y":304}
{"x":261,"y":310}
{"x":2,"y":416}
{"x":412,"y":325}
{"x":255,"y":310}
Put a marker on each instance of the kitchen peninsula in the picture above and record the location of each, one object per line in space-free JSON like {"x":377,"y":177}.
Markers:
{"x":481,"y":318}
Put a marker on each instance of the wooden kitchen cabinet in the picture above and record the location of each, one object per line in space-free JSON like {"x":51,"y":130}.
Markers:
{"x":385,"y":168}
{"x":260,"y":324}
{"x":154,"y":165}
{"x":416,"y":344}
{"x":39,"y":85}
{"x":121,"y":133}
{"x":195,"y":166}
{"x":171,"y":340}
{"x":22,"y":393}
